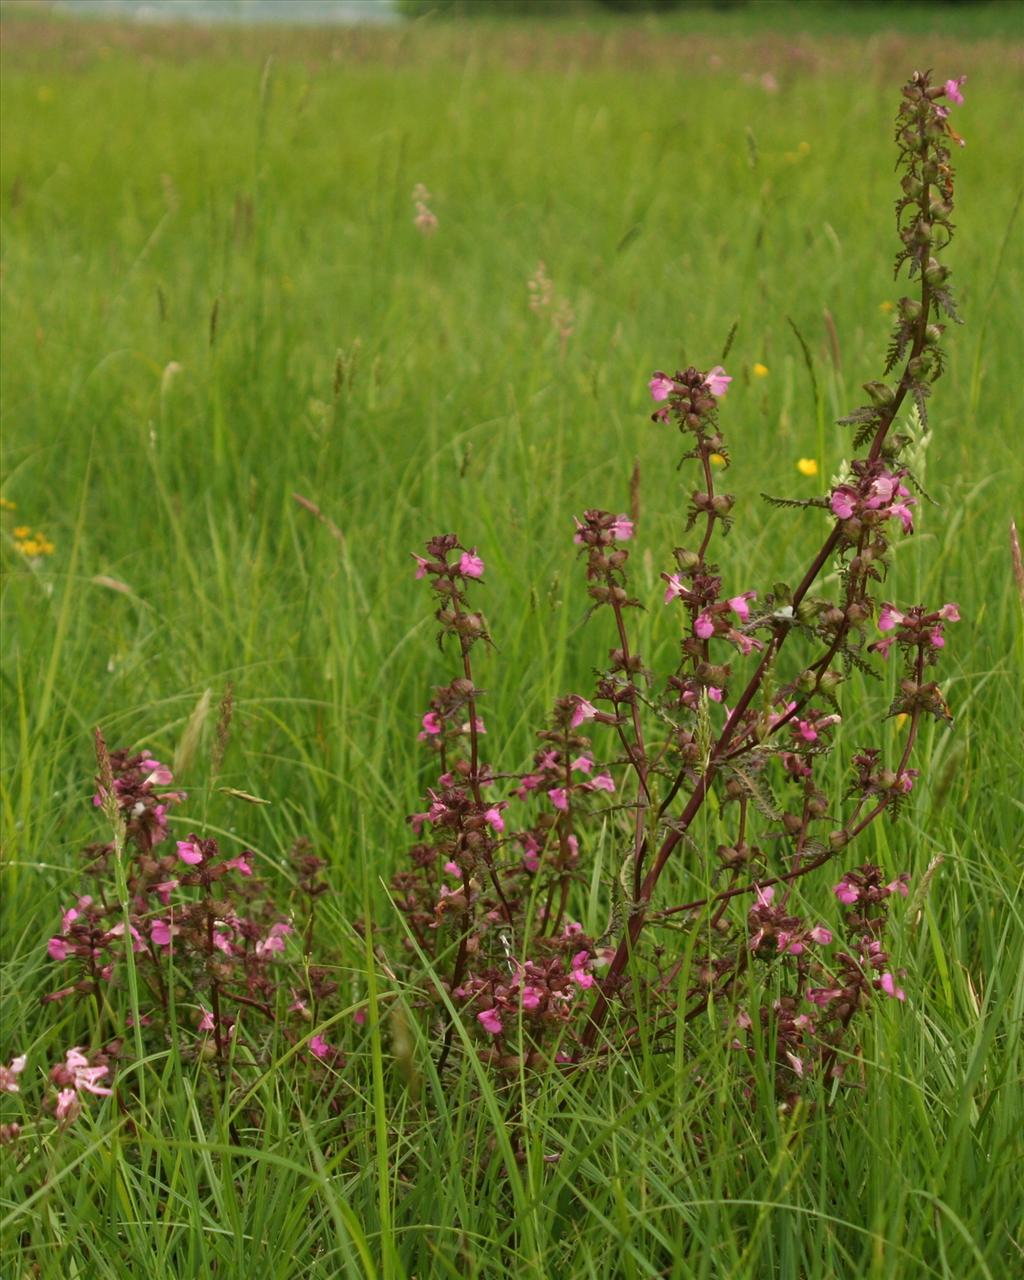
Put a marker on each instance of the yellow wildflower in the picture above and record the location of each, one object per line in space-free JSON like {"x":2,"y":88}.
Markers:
{"x":885,"y":307}
{"x":901,"y":719}
{"x":807,"y":466}
{"x":760,"y":370}
{"x":716,"y":460}
{"x":23,"y":531}
{"x":7,"y":505}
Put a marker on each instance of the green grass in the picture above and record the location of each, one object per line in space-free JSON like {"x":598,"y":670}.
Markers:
{"x":173,"y":201}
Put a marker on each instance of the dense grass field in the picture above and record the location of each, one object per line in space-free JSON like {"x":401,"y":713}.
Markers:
{"x":214,"y":297}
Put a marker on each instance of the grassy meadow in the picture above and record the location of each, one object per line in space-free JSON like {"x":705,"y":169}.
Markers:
{"x":214,"y":298}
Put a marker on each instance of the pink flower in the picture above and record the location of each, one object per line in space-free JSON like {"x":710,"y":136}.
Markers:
{"x":189,"y":851}
{"x":952,"y":88}
{"x":602,"y":782}
{"x":137,"y":942}
{"x":494,"y":819}
{"x":898,"y":886}
{"x":359,"y":1017}
{"x":675,"y":587}
{"x":160,"y":933}
{"x":764,"y":896}
{"x":704,"y":626}
{"x":422,"y":566}
{"x":478,"y":725}
{"x":882,"y":647}
{"x":739,"y":606}
{"x":319,"y":1047}
{"x":902,"y":509}
{"x":532,"y":997}
{"x":68,"y":1106}
{"x":274,"y":941}
{"x":717,"y":381}
{"x":241,"y":864}
{"x":159,"y":773}
{"x":936,"y":638}
{"x":8,"y":1075}
{"x":889,"y":618}
{"x":76,"y":1071}
{"x":807,"y":731}
{"x":621,"y":528}
{"x":579,"y":973}
{"x":888,"y":984}
{"x":821,"y":935}
{"x":846,"y":892}
{"x":527,"y":783}
{"x":713,"y":692}
{"x":164,"y":889}
{"x":206,"y":1021}
{"x":950,"y":613}
{"x":431,"y":724}
{"x":453,"y":868}
{"x":72,"y":913}
{"x":57,"y":949}
{"x":582,"y":764}
{"x":490,"y":1021}
{"x":584,"y":711}
{"x":824,"y":995}
{"x":470,"y":564}
{"x":843,"y":502}
{"x":660,"y":387}
{"x":559,"y":797}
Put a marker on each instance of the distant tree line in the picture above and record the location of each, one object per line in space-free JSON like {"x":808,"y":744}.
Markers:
{"x":538,"y":8}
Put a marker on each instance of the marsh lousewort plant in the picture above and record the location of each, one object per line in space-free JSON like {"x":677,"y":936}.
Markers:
{"x":747,"y":714}
{"x":745,"y":717}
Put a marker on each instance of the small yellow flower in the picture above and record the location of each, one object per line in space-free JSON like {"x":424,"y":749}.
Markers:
{"x":717,"y":460}
{"x":804,"y":148}
{"x":23,"y":531}
{"x":29,"y":547}
{"x":7,"y":505}
{"x":760,"y":370}
{"x":807,"y":466}
{"x":885,"y":307}
{"x":901,"y":719}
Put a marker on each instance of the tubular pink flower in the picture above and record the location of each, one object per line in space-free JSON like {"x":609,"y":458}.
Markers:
{"x":674,"y":588}
{"x":559,"y":797}
{"x":717,"y":381}
{"x":189,"y":851}
{"x":846,"y":892}
{"x":713,"y":692}
{"x":764,"y":896}
{"x":739,"y":606}
{"x":821,"y":935}
{"x":952,"y":88}
{"x":660,"y":387}
{"x":9,"y":1075}
{"x":532,"y":997}
{"x":621,"y":528}
{"x":888,"y":984}
{"x":422,"y":566}
{"x":68,"y":1106}
{"x":319,"y":1047}
{"x":490,"y":1021}
{"x":582,"y":764}
{"x":57,"y":949}
{"x":160,"y":933}
{"x":950,"y":613}
{"x":431,"y":724}
{"x":584,"y":711}
{"x":206,"y":1021}
{"x":494,"y":819}
{"x":601,"y":782}
{"x":470,"y":564}
{"x":704,"y":626}
{"x":889,"y":618}
{"x":843,"y":502}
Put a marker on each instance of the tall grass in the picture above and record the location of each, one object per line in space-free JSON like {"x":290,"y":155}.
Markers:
{"x":214,"y":297}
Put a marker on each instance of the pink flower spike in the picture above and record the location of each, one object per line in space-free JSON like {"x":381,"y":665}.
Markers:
{"x":717,"y":381}
{"x":953,"y":93}
{"x":704,"y":627}
{"x":622,"y":528}
{"x":470,"y":564}
{"x":660,"y":387}
{"x":888,"y":984}
{"x":950,"y":613}
{"x":584,"y":711}
{"x":319,"y":1047}
{"x":559,"y":797}
{"x":189,"y":851}
{"x":490,"y":1021}
{"x":57,"y":949}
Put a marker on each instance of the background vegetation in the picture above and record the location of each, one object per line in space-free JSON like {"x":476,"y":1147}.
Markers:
{"x":214,"y":296}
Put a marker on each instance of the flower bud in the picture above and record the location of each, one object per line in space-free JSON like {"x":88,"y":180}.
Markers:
{"x":838,"y":839}
{"x":880,"y":392}
{"x":793,"y":822}
{"x":686,"y":560}
{"x":723,"y":503}
{"x":935,"y":273}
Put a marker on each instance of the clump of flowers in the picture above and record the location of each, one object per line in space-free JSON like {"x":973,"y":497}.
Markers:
{"x":746,"y":713}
